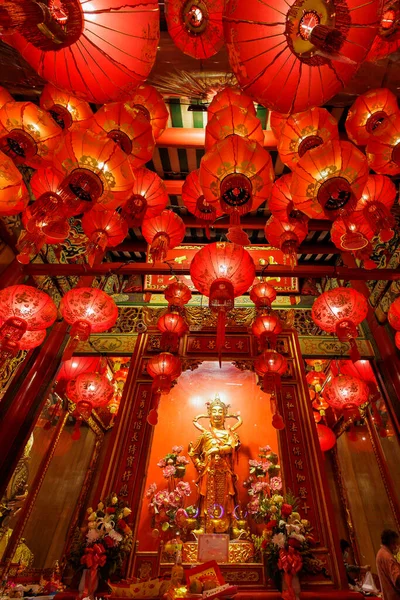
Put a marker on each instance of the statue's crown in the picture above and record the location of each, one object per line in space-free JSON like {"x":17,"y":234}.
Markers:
{"x":217,"y":402}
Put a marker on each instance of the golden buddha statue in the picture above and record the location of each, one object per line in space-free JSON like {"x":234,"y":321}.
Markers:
{"x":213,"y":456}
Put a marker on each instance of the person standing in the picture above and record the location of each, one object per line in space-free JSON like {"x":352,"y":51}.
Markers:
{"x":387,"y":565}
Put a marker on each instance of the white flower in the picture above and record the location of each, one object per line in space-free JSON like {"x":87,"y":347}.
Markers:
{"x":126,"y":512}
{"x":92,"y":535}
{"x":114,"y":535}
{"x":279,"y":539}
{"x":282,"y":523}
{"x":292,"y":528}
{"x":297,"y":536}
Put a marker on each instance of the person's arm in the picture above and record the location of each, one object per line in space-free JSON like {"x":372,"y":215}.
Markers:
{"x":394,"y":572}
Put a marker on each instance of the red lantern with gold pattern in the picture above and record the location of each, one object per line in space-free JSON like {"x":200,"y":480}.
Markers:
{"x":32,"y":339}
{"x":196,"y":26}
{"x":105,"y":229}
{"x":350,"y":235}
{"x":303,"y":131}
{"x":387,"y":39}
{"x":286,"y":236}
{"x":149,"y":101}
{"x":13,"y":193}
{"x":177,"y":294}
{"x":370,"y":114}
{"x":87,"y":310}
{"x":276,"y":121}
{"x":89,"y":391}
{"x":281,"y":203}
{"x":67,"y":111}
{"x":345,"y":392}
{"x":127,"y":127}
{"x":271,"y":365}
{"x":394,"y":314}
{"x":71,"y":369}
{"x":163,"y":368}
{"x":148,"y":198}
{"x":266,"y":328}
{"x":291,"y":55}
{"x":233,"y":120}
{"x":329,"y":180}
{"x":383,"y":151}
{"x":222,"y":272}
{"x":263,"y":295}
{"x":99,"y":50}
{"x":238,"y":173}
{"x":194,"y":200}
{"x":339,"y":311}
{"x":375,"y":204}
{"x":163,"y":233}
{"x":172,"y":326}
{"x":28,"y":134}
{"x":96,"y":171}
{"x":230,"y":96}
{"x":326,"y":437}
{"x":316,"y":379}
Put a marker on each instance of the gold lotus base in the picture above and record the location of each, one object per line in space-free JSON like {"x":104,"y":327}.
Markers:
{"x":241,"y":551}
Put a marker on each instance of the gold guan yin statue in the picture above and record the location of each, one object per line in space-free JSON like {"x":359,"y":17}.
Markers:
{"x":213,"y":456}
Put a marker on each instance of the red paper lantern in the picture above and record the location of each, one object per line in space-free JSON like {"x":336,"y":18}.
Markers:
{"x":194,"y":200}
{"x":71,"y":369}
{"x":326,"y":437}
{"x":238,"y":173}
{"x":22,"y":308}
{"x":127,"y":127}
{"x":196,"y":26}
{"x":172,"y":326}
{"x":13,"y":193}
{"x":339,"y":311}
{"x":345,"y":392}
{"x":28,"y":134}
{"x":271,"y":365}
{"x":276,"y":121}
{"x":394,"y":314}
{"x":149,"y":101}
{"x":362,"y":370}
{"x":233,"y":120}
{"x":105,"y":229}
{"x":329,"y":180}
{"x":87,"y":310}
{"x":100,"y":50}
{"x":317,"y":364}
{"x":230,"y":96}
{"x":383,"y":151}
{"x":286,"y":236}
{"x":148,"y":198}
{"x":96,"y":171}
{"x":5,"y":96}
{"x":281,"y":203}
{"x":177,"y":294}
{"x":67,"y":111}
{"x":263,"y":295}
{"x":317,"y":416}
{"x":266,"y":328}
{"x":32,"y":339}
{"x":31,"y":242}
{"x":375,"y":204}
{"x":316,"y":379}
{"x":89,"y":391}
{"x":303,"y":131}
{"x":370,"y":114}
{"x":163,"y":233}
{"x":388,"y":38}
{"x":163,"y":368}
{"x":222,"y":272}
{"x":351,"y":235}
{"x":290,"y":56}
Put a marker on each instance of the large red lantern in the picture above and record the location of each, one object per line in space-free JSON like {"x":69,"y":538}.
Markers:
{"x":163,"y":233}
{"x":292,"y":55}
{"x":281,"y":203}
{"x":362,"y":370}
{"x":370,"y":114}
{"x":374,"y":206}
{"x":194,"y":200}
{"x":303,"y":131}
{"x":149,"y":101}
{"x":105,"y":229}
{"x":266,"y":328}
{"x":177,"y":294}
{"x":148,"y":198}
{"x":263,"y":295}
{"x":13,"y":193}
{"x":326,"y":437}
{"x":394,"y":314}
{"x":127,"y":127}
{"x":339,"y":311}
{"x":68,"y":111}
{"x":100,"y":50}
{"x":329,"y":180}
{"x":87,"y":310}
{"x":71,"y":369}
{"x":196,"y":26}
{"x":89,"y":391}
{"x":277,"y":121}
{"x":286,"y":236}
{"x":271,"y":365}
{"x":230,"y":96}
{"x":345,"y":392}
{"x":96,"y":171}
{"x":32,"y":339}
{"x":233,"y":120}
{"x":387,"y":39}
{"x":28,"y":134}
{"x":238,"y":173}
{"x":163,"y":368}
{"x":316,"y":379}
{"x":22,"y":308}
{"x":222,"y":271}
{"x":383,"y":151}
{"x":172,"y":326}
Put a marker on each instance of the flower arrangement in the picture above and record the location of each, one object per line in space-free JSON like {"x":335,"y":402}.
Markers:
{"x":173,"y":464}
{"x":167,"y":507}
{"x":263,"y":482}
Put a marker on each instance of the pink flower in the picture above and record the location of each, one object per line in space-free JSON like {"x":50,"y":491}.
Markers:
{"x":177,"y":449}
{"x":254,"y":506}
{"x":254,"y":463}
{"x":259,"y":486}
{"x":182,"y":460}
{"x":265,"y":449}
{"x":152,"y":489}
{"x":169,"y":471}
{"x":265,"y":465}
{"x":161,"y":463}
{"x":276,"y":484}
{"x":183,"y":488}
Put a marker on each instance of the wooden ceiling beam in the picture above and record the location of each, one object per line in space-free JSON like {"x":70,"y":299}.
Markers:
{"x":305,"y":248}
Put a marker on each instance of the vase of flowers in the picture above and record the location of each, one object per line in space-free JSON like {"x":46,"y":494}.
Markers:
{"x":167,"y":508}
{"x":173,"y":465}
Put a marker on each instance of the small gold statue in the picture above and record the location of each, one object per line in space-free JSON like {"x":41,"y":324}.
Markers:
{"x":240,"y":527}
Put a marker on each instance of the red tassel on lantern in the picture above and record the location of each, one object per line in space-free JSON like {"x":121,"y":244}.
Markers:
{"x":163,"y":233}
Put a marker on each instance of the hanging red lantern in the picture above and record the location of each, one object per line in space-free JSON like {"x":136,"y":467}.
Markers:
{"x":32,"y":339}
{"x":263,"y":295}
{"x":320,"y":404}
{"x":28,"y":134}
{"x":148,"y":198}
{"x":222,"y":272}
{"x":339,"y":311}
{"x":172,"y":326}
{"x":326,"y":437}
{"x":362,"y":370}
{"x":196,"y":26}
{"x":230,"y":96}
{"x":276,"y":121}
{"x":100,"y":51}
{"x":383,"y":151}
{"x":238,"y":173}
{"x":88,"y":391}
{"x":303,"y":131}
{"x":194,"y":200}
{"x":316,"y":379}
{"x":370,"y":114}
{"x":351,"y":235}
{"x":290,"y":56}
{"x":163,"y":233}
{"x":67,"y":111}
{"x":317,"y":416}
{"x":317,"y":364}
{"x":149,"y":101}
{"x":329,"y":180}
{"x":13,"y":193}
{"x":266,"y":328}
{"x":105,"y":229}
{"x":345,"y":392}
{"x":22,"y":308}
{"x":87,"y":310}
{"x":281,"y":203}
{"x":286,"y":236}
{"x":233,"y":120}
{"x":71,"y":369}
{"x":95,"y":170}
{"x":177,"y":294}
{"x":31,"y":242}
{"x":127,"y":127}
{"x":387,"y":39}
{"x":394,"y":314}
{"x":5,"y":97}
{"x":271,"y":365}
{"x":375,"y":204}
{"x":163,"y":368}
